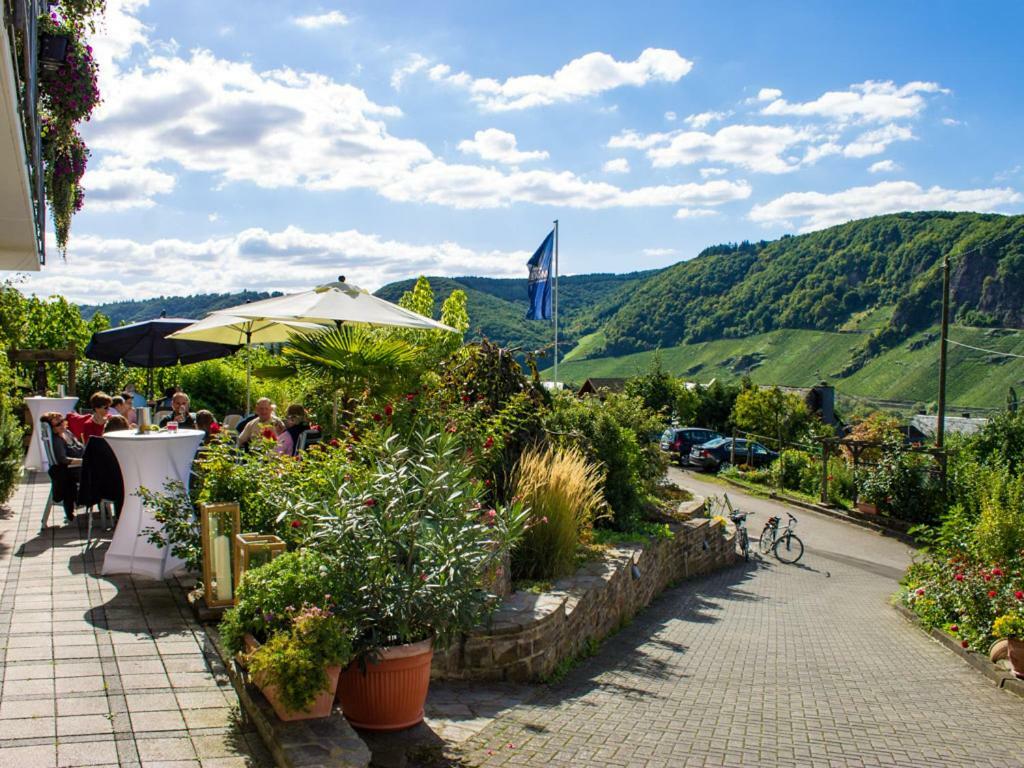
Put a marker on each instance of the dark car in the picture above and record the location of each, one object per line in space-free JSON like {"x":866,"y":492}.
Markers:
{"x":712,"y":455}
{"x":679,"y":440}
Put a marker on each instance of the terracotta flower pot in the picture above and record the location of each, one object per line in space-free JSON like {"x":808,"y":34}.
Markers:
{"x":389,"y":695}
{"x":321,"y":706}
{"x":867,"y":508}
{"x":998,"y":651}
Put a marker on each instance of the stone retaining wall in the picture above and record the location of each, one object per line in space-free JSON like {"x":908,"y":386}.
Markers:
{"x":530,"y":633}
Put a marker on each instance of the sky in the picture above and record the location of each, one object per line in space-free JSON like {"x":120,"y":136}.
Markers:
{"x":274,"y":146}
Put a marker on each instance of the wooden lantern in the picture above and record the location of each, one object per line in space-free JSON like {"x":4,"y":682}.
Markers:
{"x":219,"y":524}
{"x":255,"y":549}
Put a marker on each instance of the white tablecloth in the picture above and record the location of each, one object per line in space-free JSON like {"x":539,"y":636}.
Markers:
{"x":37,"y":406}
{"x":148,"y":460}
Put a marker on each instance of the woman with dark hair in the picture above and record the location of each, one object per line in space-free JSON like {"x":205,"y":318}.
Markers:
{"x":67,"y":462}
{"x":86,"y":425}
{"x":295,"y":425}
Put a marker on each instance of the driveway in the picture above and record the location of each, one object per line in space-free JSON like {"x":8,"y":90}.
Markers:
{"x":765,"y":664}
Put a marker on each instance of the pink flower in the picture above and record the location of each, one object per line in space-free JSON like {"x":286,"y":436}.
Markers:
{"x":954,"y":628}
{"x":544,"y":519}
{"x":963,"y":644}
{"x":491,"y":515}
{"x":370,"y":503}
{"x":988,"y":577}
{"x":959,"y":577}
{"x":992,"y":593}
{"x":423,"y":577}
{"x":997,"y":572}
{"x":388,"y":410}
{"x":920,"y":591}
{"x":376,"y":417}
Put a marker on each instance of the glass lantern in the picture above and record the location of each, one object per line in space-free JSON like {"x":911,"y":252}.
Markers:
{"x":219,"y":525}
{"x":255,"y":549}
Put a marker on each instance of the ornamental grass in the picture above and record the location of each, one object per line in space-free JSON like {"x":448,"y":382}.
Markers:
{"x":563,"y":491}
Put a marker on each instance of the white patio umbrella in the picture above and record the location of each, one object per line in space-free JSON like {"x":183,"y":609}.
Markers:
{"x":336,"y":303}
{"x":231,"y":329}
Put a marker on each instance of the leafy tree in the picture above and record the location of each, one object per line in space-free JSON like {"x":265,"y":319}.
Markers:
{"x":771,"y":413}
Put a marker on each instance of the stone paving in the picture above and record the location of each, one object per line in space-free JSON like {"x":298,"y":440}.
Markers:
{"x":769,"y":665}
{"x":101,"y":670}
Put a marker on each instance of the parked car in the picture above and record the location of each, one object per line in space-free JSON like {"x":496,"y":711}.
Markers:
{"x":712,"y":455}
{"x":678,"y":441}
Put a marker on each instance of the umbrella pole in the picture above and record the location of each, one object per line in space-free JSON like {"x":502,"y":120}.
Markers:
{"x":248,"y":369}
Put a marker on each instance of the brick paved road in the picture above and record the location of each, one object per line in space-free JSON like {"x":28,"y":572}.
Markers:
{"x":770,"y":665}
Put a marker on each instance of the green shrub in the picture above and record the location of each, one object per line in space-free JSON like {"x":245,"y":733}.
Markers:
{"x":903,"y":484}
{"x":999,"y":532}
{"x":215,"y":386}
{"x":563,"y":493}
{"x":796,"y":470}
{"x":11,"y":447}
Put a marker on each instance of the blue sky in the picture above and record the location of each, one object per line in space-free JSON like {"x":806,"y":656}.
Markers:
{"x":274,"y":146}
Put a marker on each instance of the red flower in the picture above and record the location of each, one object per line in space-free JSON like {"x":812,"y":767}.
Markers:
{"x":988,"y":577}
{"x":959,"y":577}
{"x":370,"y":503}
{"x":992,"y":593}
{"x":920,"y":591}
{"x":954,"y":628}
{"x":489,"y":442}
{"x":296,"y":523}
{"x":963,"y":644}
{"x":423,"y":577}
{"x":315,"y":427}
{"x":388,"y":410}
{"x":452,"y":427}
{"x":410,"y":397}
{"x":214,"y":428}
{"x":269,"y":433}
{"x":334,"y":442}
{"x":466,"y":398}
{"x":997,"y":572}
{"x":1019,"y":595}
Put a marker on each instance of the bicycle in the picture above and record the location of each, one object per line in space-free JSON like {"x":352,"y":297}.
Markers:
{"x":738,"y":518}
{"x":786,"y":546}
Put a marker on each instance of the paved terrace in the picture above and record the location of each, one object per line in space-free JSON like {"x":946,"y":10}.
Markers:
{"x":102,"y":670}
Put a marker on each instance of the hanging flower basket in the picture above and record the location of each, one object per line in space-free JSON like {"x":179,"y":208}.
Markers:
{"x":53,"y":49}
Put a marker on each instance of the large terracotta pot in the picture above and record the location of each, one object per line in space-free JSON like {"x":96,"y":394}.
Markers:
{"x":321,"y":705}
{"x":867,"y":508}
{"x":389,"y":694}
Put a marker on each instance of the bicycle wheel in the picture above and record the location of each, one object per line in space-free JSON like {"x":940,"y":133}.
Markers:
{"x":767,"y":539}
{"x":744,"y":543}
{"x":789,"y":548}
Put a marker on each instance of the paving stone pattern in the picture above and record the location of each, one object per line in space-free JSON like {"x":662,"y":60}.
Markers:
{"x":769,"y":665}
{"x":103,"y":671}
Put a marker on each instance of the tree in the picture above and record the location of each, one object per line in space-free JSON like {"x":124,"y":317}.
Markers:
{"x":771,"y":413}
{"x":656,"y":388}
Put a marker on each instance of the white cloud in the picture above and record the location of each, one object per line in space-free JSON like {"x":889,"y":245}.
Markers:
{"x":704,"y":119}
{"x":415,"y":64}
{"x":498,"y":146}
{"x":884,"y":166}
{"x":817,"y":209}
{"x":768,"y":94}
{"x":288,"y":260}
{"x":870,"y":101}
{"x":951,"y":121}
{"x":284,"y":128}
{"x":875,"y":142}
{"x":616,"y":165}
{"x":213,"y":216}
{"x":112,"y":188}
{"x":761,"y":148}
{"x":321,"y":20}
{"x":659,"y":252}
{"x":589,"y":75}
{"x":707,"y":173}
{"x":694,"y":213}
{"x":671,"y":116}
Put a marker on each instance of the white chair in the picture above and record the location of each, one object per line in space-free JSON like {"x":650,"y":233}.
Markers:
{"x":108,"y":516}
{"x":46,"y":436}
{"x":231,"y":421}
{"x":161,"y":415}
{"x":307,"y":438}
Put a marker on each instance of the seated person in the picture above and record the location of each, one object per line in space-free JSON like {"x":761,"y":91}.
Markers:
{"x":86,"y":425}
{"x":179,"y":413}
{"x":265,"y":424}
{"x":65,"y":472}
{"x":295,"y":425}
{"x":133,"y":397}
{"x":116,"y":424}
{"x":209,"y":425}
{"x":166,"y":403}
{"x":122,"y":406}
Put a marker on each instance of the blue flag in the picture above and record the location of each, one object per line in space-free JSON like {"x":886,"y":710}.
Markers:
{"x":539,"y":282}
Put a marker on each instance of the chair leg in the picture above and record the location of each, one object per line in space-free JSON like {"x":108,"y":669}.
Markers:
{"x":46,"y":510}
{"x":88,"y":527}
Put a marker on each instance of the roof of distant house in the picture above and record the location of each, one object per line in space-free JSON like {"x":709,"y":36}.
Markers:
{"x":592,"y":385}
{"x":962,"y":425}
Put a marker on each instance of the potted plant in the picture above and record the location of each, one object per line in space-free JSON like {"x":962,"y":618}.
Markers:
{"x":417,"y":541}
{"x":1010,"y":628}
{"x":293,"y":654}
{"x":297,"y":669}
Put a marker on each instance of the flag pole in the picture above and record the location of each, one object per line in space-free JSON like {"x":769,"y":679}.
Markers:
{"x":556,"y":302}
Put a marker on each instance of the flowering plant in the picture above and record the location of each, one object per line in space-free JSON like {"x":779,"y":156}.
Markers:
{"x":416,"y":540}
{"x":1009,"y":625}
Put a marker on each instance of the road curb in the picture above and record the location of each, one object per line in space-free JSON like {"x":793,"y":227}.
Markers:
{"x":1000,"y":677}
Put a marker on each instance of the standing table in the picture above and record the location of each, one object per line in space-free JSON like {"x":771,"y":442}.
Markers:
{"x":35,"y":459}
{"x":148,"y":460}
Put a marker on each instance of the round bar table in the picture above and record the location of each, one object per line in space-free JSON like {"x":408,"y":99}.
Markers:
{"x":147,"y":460}
{"x":35,"y":459}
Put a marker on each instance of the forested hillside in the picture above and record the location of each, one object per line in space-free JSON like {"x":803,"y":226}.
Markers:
{"x":195,"y":307}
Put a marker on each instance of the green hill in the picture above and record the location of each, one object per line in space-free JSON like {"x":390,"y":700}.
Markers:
{"x":195,"y":307}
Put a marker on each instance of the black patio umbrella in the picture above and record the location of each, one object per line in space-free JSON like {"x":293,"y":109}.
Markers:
{"x":145,"y":345}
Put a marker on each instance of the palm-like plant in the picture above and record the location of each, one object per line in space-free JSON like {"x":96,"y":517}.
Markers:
{"x":350,"y":360}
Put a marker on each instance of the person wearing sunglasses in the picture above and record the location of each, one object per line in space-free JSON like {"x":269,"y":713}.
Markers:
{"x":65,"y":472}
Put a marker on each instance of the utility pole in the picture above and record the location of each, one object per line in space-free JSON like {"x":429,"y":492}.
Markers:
{"x":940,"y":426}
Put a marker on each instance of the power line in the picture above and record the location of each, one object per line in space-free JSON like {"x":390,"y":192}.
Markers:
{"x":982,"y":349}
